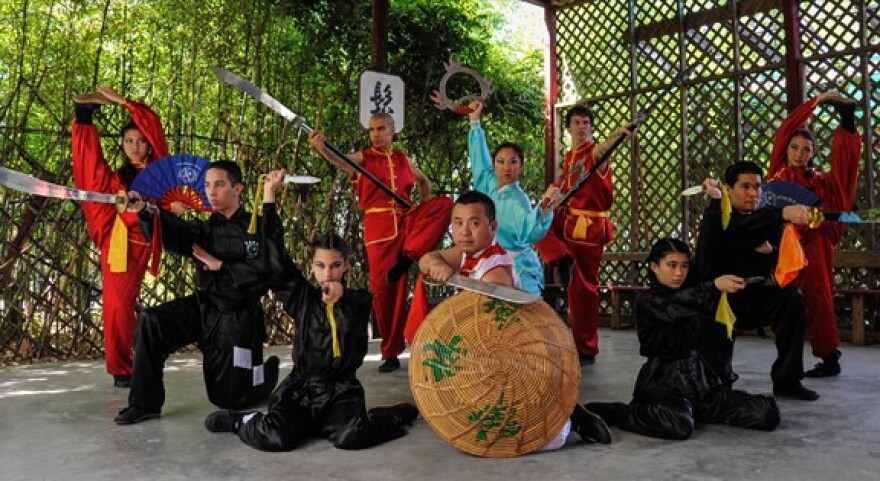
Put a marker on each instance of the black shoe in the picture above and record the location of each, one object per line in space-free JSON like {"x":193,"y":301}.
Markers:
{"x":83,"y":112}
{"x":564,"y":267}
{"x":846,"y":108}
{"x":390,"y":365}
{"x":399,"y":269}
{"x":134,"y":414}
{"x":606,"y":411}
{"x":224,"y":421}
{"x":795,"y":390}
{"x":586,"y":360}
{"x":122,"y":382}
{"x":589,"y":426}
{"x":405,"y":411}
{"x":270,"y":372}
{"x":830,"y":366}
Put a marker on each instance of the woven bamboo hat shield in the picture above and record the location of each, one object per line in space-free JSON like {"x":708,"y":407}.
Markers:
{"x":492,"y":378}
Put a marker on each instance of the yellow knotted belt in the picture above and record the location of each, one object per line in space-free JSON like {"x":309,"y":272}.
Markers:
{"x":583,"y":221}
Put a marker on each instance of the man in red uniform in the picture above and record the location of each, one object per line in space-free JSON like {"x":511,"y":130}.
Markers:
{"x":792,"y":160}
{"x":123,"y":266}
{"x":581,"y":229}
{"x":395,"y":236}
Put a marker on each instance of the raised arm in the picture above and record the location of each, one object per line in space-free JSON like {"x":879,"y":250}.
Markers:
{"x":600,"y":149}
{"x":317,"y":140}
{"x":796,"y":119}
{"x":146,"y":120}
{"x":482,"y":171}
{"x":282,"y":271}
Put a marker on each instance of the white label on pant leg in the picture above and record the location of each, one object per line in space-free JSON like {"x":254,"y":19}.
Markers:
{"x":258,"y":375}
{"x":241,"y":357}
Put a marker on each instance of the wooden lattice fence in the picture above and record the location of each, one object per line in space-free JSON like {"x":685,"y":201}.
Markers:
{"x":619,"y":55}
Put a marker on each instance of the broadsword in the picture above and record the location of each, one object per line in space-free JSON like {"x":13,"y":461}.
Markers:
{"x":31,"y":185}
{"x":504,"y":293}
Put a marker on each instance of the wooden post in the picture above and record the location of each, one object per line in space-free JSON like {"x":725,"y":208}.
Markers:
{"x":379,"y":47}
{"x":794,"y":83}
{"x":551,"y":92}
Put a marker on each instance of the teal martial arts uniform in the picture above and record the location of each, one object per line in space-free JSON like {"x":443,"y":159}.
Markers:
{"x":519,"y":224}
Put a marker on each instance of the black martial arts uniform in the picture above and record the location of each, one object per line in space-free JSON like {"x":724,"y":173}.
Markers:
{"x":732,"y":251}
{"x":321,"y":397}
{"x":676,"y":389}
{"x":224,"y":316}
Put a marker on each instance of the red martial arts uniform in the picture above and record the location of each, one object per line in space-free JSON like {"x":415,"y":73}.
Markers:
{"x":837,"y":190}
{"x":91,"y":172}
{"x":581,"y":229}
{"x":391,"y":231}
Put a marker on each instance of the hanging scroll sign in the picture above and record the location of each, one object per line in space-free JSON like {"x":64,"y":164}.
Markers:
{"x":460,"y":106}
{"x":380,"y":92}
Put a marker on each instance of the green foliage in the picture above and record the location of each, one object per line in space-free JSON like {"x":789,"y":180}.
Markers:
{"x":306,"y":53}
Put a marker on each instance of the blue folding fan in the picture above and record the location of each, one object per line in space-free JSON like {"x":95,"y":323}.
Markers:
{"x":175,"y":178}
{"x":780,"y":193}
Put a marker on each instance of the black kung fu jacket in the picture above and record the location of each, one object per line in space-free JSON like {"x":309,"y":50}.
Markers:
{"x":667,"y":321}
{"x":313,"y":345}
{"x":241,"y":279}
{"x":732,"y":251}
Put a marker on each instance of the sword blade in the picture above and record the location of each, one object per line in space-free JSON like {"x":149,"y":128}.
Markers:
{"x":257,"y":93}
{"x":32,"y":185}
{"x":697,"y":189}
{"x":508,"y":294}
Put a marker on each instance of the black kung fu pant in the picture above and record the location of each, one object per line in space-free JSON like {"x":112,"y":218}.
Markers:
{"x":672,"y":396}
{"x":221,"y":331}
{"x":782,"y":310}
{"x":303,"y":408}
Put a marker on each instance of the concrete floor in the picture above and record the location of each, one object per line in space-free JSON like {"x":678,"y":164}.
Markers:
{"x":56,"y":422}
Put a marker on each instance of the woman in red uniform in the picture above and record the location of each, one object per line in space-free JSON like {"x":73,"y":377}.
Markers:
{"x":792,"y":160}
{"x":122,"y":265}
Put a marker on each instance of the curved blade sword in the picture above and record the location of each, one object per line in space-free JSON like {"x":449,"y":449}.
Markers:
{"x":504,"y":293}
{"x":31,"y":185}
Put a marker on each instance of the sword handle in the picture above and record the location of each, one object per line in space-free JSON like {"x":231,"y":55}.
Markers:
{"x":122,"y":201}
{"x":814,"y":217}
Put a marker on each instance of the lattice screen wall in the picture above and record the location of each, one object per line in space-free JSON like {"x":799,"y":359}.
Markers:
{"x":618,"y":55}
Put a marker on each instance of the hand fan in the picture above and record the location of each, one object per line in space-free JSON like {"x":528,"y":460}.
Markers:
{"x":780,"y":193}
{"x":179,"y":178}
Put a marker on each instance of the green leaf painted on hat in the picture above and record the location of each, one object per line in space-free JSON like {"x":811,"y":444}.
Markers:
{"x":498,"y":417}
{"x":444,"y":364}
{"x":504,"y":312}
